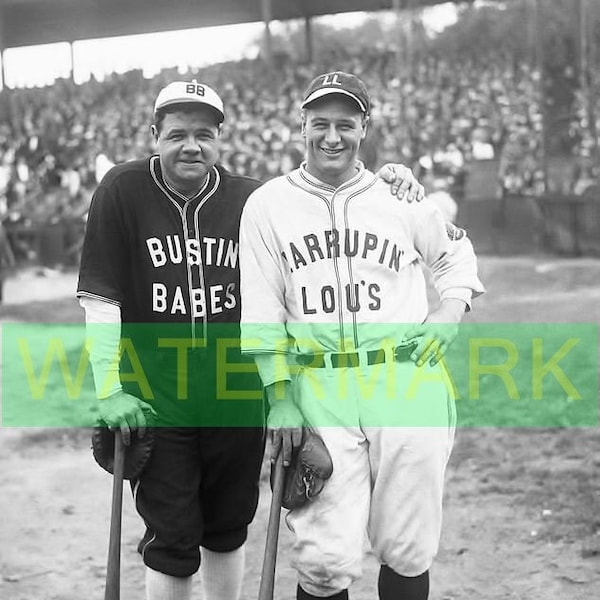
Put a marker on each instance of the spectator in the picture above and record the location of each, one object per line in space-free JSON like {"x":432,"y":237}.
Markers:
{"x":7,"y":259}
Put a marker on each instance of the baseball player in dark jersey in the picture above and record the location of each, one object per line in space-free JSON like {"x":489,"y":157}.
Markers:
{"x":159,"y":283}
{"x":336,"y":314}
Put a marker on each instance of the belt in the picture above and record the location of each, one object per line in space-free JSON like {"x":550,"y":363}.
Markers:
{"x":353,"y":359}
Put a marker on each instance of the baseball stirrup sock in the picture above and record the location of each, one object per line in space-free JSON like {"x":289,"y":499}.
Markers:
{"x":393,"y":586}
{"x":302,"y":595}
{"x":160,"y":586}
{"x":222,"y":574}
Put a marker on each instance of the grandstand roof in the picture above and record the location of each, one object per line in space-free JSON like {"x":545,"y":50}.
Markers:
{"x":28,"y":22}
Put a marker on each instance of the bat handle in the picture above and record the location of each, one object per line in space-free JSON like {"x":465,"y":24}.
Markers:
{"x":267,"y":579}
{"x":112,"y":590}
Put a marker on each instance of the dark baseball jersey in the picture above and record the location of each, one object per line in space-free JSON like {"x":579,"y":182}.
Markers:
{"x":164,"y":258}
{"x":160,"y":256}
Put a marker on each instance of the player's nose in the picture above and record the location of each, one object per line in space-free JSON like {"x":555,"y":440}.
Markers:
{"x":332,"y":136}
{"x":191,"y":144}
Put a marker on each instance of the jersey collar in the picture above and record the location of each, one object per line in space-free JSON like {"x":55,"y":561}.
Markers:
{"x":162,"y":183}
{"x":311,"y":183}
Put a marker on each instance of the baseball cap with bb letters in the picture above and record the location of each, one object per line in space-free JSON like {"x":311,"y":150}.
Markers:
{"x":189,"y":92}
{"x":338,"y":82}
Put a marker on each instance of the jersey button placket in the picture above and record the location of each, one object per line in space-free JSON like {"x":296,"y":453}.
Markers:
{"x":336,"y":262}
{"x":195,"y":279}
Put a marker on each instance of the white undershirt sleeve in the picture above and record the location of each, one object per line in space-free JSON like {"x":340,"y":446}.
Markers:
{"x":103,"y":337}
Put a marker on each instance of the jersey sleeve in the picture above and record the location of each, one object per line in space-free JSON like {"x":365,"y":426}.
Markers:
{"x":448,"y":252}
{"x":105,"y":260}
{"x":262,"y":285}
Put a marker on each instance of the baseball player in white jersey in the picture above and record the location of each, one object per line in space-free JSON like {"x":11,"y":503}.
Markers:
{"x":335,"y":312}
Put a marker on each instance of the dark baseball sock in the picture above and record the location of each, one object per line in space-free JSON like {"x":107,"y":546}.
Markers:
{"x":302,"y":595}
{"x":393,"y":586}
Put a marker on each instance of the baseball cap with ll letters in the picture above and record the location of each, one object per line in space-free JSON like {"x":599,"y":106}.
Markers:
{"x":338,"y":82}
{"x":189,"y":92}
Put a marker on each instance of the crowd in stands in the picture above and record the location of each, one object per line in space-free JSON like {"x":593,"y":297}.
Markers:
{"x":585,"y":132}
{"x":57,"y":142}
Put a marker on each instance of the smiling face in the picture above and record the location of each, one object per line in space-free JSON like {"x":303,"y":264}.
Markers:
{"x":333,"y":127}
{"x":187,"y":142}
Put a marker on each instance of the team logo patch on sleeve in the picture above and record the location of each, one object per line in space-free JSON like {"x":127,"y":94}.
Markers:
{"x":454,"y":233}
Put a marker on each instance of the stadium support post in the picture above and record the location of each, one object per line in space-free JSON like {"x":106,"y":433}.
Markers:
{"x":397,"y":8}
{"x":267,"y":12}
{"x":585,"y":80}
{"x":531,"y":25}
{"x":2,"y":69}
{"x":541,"y":69}
{"x":308,"y":39}
{"x":411,"y":9}
{"x":72,"y":58}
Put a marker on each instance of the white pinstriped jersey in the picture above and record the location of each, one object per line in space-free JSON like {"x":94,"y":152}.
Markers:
{"x":324,"y":265}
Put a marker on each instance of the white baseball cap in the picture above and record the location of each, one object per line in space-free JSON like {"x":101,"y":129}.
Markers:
{"x":189,"y":92}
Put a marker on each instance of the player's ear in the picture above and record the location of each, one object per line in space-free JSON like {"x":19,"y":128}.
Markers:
{"x":303,"y":121}
{"x":365,"y":123}
{"x":155,"y":132}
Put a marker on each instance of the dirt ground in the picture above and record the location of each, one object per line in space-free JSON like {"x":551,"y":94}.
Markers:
{"x":522,"y":506}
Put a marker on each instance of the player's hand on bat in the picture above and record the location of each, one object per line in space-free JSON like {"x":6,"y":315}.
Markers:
{"x":125,"y":412}
{"x":437,"y":333}
{"x":403,"y":184}
{"x":284,"y":423}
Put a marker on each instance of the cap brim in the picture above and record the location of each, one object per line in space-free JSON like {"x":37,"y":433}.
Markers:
{"x":193,"y":102}
{"x":326,"y":91}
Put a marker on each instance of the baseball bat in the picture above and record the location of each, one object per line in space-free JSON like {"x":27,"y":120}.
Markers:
{"x":267,"y":578}
{"x":112,"y":591}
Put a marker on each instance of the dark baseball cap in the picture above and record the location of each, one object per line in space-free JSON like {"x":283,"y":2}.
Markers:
{"x":338,"y":82}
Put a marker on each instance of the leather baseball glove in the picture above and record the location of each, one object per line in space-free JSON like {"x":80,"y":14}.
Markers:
{"x":309,"y":469}
{"x":137,"y":452}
